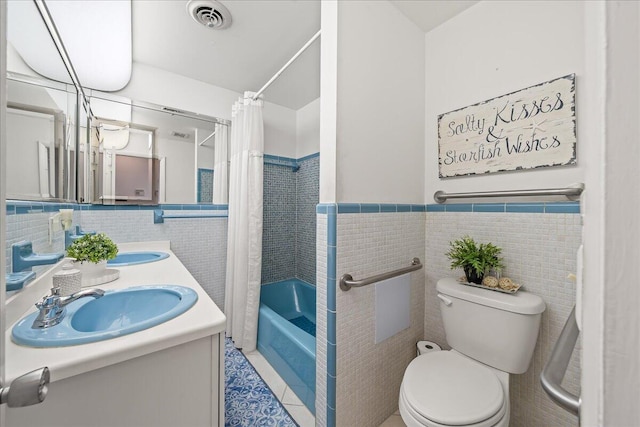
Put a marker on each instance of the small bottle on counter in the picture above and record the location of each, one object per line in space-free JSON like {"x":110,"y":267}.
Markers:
{"x":69,"y":280}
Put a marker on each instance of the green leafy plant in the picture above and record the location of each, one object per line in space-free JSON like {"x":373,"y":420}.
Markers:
{"x":93,"y":248}
{"x":468,"y":254}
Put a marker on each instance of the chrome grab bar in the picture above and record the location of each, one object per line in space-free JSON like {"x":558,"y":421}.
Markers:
{"x":555,"y":368}
{"x":347,"y":282}
{"x":572,"y":193}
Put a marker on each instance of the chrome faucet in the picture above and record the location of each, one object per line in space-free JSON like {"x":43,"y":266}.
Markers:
{"x":52,"y":307}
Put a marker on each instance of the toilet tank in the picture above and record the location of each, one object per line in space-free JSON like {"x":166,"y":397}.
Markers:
{"x":497,"y":329}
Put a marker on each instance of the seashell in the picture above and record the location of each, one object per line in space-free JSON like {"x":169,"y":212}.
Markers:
{"x":490,"y":281}
{"x":507,"y":284}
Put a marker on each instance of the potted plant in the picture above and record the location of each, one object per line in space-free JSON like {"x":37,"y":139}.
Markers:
{"x":91,"y":253}
{"x":476,"y":259}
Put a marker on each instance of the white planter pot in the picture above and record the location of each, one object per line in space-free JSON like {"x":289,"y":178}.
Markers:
{"x":91,"y":270}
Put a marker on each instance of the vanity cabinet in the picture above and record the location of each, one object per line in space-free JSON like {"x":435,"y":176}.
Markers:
{"x":168,"y":375}
{"x":177,"y":386}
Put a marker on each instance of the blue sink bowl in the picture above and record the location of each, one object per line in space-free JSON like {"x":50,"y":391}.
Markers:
{"x":133,"y":258}
{"x":117,"y":313}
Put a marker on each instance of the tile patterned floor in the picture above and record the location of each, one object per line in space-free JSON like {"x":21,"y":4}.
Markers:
{"x":248,"y":400}
{"x":293,"y":405}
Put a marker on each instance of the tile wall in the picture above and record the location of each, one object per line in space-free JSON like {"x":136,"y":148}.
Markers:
{"x":288,"y":235}
{"x":368,"y":375}
{"x":205,"y":185}
{"x":307,"y":197}
{"x":200,"y":243}
{"x":539,"y":247}
{"x":30,"y":221}
{"x":321,"y":321}
{"x":279,"y":223}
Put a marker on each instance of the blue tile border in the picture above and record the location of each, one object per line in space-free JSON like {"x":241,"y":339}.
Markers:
{"x":348,"y":208}
{"x":460,"y":207}
{"x":332,"y":210}
{"x":525,"y":207}
{"x":562,"y":207}
{"x":488,"y":207}
{"x":270,"y":159}
{"x":533,"y":207}
{"x":16,"y":207}
{"x":436,"y":208}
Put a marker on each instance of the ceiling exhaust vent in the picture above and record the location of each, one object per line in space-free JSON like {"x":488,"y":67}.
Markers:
{"x":209,"y":13}
{"x":182,"y":135}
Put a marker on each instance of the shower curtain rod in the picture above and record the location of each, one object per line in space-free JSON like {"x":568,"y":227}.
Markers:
{"x":307,"y":44}
{"x":207,"y":138}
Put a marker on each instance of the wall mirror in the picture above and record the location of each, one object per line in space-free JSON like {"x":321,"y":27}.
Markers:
{"x":41,"y":139}
{"x":42,"y":116}
{"x":141,"y":153}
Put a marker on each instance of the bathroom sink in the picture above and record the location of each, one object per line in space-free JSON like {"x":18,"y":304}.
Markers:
{"x":119,"y":312}
{"x":133,"y":258}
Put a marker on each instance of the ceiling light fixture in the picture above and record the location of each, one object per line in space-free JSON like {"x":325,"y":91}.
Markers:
{"x":99,"y":49}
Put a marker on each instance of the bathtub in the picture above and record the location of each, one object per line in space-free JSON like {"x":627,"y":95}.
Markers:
{"x":286,"y":335}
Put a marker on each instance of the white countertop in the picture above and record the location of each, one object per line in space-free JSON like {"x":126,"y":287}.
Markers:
{"x":201,"y":320}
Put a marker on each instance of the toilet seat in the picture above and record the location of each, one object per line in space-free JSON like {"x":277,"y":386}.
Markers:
{"x":447,"y":389}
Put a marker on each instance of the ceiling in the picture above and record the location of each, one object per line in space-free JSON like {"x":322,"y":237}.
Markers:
{"x":263,"y":36}
{"x":428,"y":14}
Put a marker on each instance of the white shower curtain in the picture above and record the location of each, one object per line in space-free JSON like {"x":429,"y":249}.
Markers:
{"x":244,"y":241}
{"x":220,"y":168}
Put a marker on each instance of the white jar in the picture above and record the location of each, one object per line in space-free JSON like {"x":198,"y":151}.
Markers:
{"x":69,"y":280}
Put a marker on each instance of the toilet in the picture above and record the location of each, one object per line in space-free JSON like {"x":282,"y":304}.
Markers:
{"x":492,"y":335}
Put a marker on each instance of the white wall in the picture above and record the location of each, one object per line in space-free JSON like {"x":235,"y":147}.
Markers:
{"x":180,"y":169}
{"x":279,"y":130}
{"x":24,"y":131}
{"x":328,"y":96}
{"x":621,"y":230}
{"x":380,"y":104}
{"x":308,"y":129}
{"x":494,"y":48}
{"x":157,"y":86}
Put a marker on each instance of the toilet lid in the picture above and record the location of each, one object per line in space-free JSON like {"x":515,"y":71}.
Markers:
{"x":449,"y":389}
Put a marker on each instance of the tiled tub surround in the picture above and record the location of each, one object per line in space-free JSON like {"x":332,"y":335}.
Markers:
{"x":289,"y":215}
{"x":307,"y":196}
{"x":200,"y":243}
{"x":539,"y":251}
{"x":368,"y":374}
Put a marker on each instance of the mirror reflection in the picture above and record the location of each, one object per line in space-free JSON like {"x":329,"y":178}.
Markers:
{"x":41,"y":139}
{"x":140,"y":153}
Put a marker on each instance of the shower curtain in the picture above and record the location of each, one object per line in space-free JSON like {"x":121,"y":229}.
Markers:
{"x":220,"y":168}
{"x":244,"y":241}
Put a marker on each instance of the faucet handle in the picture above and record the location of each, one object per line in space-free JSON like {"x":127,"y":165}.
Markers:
{"x":49,"y":300}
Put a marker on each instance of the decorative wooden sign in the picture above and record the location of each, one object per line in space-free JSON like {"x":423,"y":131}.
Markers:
{"x":530,"y":128}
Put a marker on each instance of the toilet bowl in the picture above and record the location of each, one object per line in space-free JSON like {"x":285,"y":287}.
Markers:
{"x":492,"y":335}
{"x":446,"y":388}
